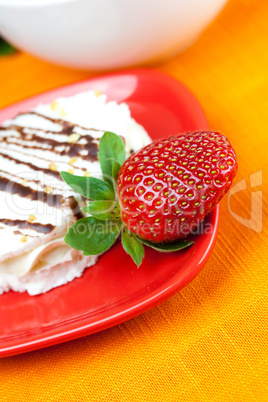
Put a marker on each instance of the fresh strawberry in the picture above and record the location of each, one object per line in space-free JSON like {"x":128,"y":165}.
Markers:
{"x":163,"y":192}
{"x":166,"y":189}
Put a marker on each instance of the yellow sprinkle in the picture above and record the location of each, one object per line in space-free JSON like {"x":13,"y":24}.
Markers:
{"x":97,"y":93}
{"x":54,"y":105}
{"x":62,"y":112}
{"x":70,"y":171}
{"x":23,"y":239}
{"x":86,"y":174}
{"x":52,"y":167}
{"x":74,"y":137}
{"x":72,"y":161}
{"x":48,"y":190}
{"x":25,"y":181}
{"x":32,"y":218}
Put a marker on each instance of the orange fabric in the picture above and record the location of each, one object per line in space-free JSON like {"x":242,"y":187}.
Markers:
{"x":210,"y":341}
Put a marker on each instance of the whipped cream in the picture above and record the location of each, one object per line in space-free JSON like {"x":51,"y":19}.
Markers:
{"x":37,"y":207}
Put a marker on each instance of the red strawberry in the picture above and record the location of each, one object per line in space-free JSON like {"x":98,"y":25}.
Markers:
{"x":166,"y":189}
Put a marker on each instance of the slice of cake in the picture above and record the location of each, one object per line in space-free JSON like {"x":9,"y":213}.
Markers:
{"x":36,"y":207}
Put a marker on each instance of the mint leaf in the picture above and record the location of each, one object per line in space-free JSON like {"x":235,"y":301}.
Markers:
{"x":111,"y":149}
{"x":167,"y":247}
{"x":92,"y":236}
{"x":115,"y":170}
{"x":132,"y":246}
{"x":89,"y":187}
{"x":6,"y":48}
{"x":103,"y":209}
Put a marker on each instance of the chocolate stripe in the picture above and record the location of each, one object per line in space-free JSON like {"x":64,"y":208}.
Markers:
{"x":54,"y":200}
{"x":37,"y":227}
{"x":30,"y":165}
{"x":73,"y":204}
{"x":61,"y":122}
{"x":72,"y":150}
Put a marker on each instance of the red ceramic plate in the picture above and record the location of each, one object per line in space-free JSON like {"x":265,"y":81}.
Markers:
{"x":113,"y":290}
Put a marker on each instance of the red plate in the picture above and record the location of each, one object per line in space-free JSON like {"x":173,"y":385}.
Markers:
{"x":113,"y":290}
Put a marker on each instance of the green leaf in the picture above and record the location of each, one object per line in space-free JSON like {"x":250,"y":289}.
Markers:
{"x":111,"y":149}
{"x":132,"y":246}
{"x":103,"y":209}
{"x":115,"y":170}
{"x":92,"y":236}
{"x":6,"y":48}
{"x":89,"y":187}
{"x":167,"y":247}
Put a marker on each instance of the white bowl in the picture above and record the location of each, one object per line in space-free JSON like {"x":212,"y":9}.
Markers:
{"x":104,"y":34}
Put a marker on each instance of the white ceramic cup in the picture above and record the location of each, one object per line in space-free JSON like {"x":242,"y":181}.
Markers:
{"x":104,"y":34}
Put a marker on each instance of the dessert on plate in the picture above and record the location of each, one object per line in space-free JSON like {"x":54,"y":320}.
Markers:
{"x":37,"y":207}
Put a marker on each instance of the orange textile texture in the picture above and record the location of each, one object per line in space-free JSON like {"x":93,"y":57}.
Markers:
{"x":209,"y":342}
